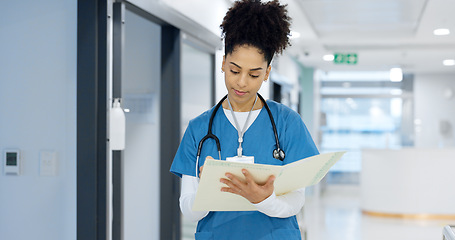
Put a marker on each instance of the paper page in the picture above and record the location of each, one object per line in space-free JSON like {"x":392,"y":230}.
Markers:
{"x":209,"y":195}
{"x":303,"y":173}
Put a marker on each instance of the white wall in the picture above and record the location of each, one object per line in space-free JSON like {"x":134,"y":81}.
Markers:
{"x":38,"y":97}
{"x":432,"y":107}
{"x":415,"y":183}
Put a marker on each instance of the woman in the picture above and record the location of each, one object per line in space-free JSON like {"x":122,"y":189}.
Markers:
{"x":253,"y":33}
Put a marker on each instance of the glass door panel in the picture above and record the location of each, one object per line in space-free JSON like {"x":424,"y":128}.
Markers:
{"x":196,"y":97}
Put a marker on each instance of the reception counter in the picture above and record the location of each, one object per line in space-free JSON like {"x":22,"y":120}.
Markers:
{"x":409,"y":183}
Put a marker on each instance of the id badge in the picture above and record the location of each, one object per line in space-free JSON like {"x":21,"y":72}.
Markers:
{"x":242,"y":159}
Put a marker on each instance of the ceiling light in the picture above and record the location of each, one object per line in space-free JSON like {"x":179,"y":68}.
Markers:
{"x":441,"y":32}
{"x":294,"y":35}
{"x":396,"y":91}
{"x":328,"y":57}
{"x":449,"y":62}
{"x":396,"y":74}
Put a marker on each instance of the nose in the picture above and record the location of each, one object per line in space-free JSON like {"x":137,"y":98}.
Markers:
{"x":242,"y":81}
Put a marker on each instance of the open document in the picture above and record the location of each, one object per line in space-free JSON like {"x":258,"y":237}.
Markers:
{"x":299,"y":174}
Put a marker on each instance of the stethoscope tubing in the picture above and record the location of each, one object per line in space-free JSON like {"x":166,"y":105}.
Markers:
{"x":271,"y":120}
{"x":209,"y":131}
{"x":278,"y":153}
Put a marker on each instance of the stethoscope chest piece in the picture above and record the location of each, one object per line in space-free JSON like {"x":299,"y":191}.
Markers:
{"x":279,"y":154}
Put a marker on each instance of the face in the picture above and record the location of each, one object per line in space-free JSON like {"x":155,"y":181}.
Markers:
{"x":245,"y":71}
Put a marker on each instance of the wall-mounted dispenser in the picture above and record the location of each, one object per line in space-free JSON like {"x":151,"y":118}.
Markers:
{"x":117,"y":126}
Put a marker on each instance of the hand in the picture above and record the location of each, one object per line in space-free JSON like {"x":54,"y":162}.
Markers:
{"x":248,"y":189}
{"x":202,"y":167}
{"x":200,"y":171}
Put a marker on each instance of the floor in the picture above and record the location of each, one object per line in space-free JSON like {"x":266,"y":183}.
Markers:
{"x":334,"y":214}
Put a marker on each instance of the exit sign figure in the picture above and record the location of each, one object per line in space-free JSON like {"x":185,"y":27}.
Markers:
{"x":345,"y":58}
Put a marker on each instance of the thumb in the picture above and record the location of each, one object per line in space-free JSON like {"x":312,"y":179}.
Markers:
{"x":209,"y":157}
{"x":270,"y":181}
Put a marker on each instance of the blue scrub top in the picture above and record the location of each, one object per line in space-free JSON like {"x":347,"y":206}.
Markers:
{"x":258,"y":141}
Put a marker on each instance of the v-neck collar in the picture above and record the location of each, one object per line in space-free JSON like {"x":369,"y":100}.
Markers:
{"x":252,"y":124}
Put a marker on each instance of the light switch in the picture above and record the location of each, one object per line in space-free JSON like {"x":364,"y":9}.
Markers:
{"x":48,"y":163}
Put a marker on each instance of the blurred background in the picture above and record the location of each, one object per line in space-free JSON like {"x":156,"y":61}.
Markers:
{"x":375,"y":78}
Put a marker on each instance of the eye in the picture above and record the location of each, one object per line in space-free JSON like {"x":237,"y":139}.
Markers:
{"x":254,"y":76}
{"x":234,"y":72}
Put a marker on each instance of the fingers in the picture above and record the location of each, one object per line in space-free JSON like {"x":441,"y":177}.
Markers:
{"x":249,"y":180}
{"x":248,"y":177}
{"x":270,"y":181}
{"x":248,"y":188}
{"x":233,"y":184}
{"x":237,"y":191}
{"x":232,"y":181}
{"x":200,"y":170}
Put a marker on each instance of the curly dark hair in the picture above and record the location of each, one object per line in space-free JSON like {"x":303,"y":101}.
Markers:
{"x":262,"y":25}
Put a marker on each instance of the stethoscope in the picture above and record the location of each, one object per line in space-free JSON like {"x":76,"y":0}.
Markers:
{"x":278,"y":153}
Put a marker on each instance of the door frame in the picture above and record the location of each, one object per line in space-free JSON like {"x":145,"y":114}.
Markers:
{"x":91,"y":120}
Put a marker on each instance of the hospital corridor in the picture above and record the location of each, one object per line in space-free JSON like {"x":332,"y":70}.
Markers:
{"x":227,"y":119}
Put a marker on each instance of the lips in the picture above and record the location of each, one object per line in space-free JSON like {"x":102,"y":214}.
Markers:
{"x":239,"y":93}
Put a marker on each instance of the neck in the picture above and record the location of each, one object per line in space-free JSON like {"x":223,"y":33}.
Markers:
{"x":246,"y":107}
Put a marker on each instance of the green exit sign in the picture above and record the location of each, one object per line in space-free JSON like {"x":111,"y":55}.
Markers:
{"x":345,"y":58}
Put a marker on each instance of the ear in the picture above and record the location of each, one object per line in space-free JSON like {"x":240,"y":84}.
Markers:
{"x":224,"y":62}
{"x":267,"y":72}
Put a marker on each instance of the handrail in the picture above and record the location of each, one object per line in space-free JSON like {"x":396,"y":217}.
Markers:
{"x":448,"y":233}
